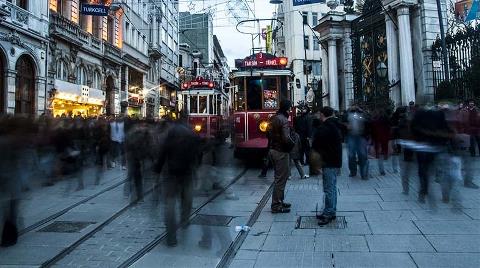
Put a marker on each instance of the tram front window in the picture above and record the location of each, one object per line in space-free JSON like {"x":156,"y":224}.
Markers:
{"x":193,"y":104}
{"x":262,"y":90}
{"x":254,"y":93}
{"x":203,"y":104}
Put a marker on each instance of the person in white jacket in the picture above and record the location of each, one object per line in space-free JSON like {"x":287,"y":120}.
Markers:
{"x":117,"y":137}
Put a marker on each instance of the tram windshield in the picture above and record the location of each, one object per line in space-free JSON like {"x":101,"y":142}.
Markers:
{"x":206,"y":104}
{"x":260,"y":93}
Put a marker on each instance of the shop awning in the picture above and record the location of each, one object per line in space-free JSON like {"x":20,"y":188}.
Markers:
{"x":78,"y":93}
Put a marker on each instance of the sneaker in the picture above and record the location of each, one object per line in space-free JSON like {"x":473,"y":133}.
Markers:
{"x":325,"y":220}
{"x":280,"y":210}
{"x":321,"y":216}
{"x":286,"y":205}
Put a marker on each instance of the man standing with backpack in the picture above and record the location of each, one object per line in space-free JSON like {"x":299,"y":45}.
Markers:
{"x":280,"y":144}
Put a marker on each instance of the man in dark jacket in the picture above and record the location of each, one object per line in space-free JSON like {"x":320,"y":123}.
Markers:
{"x":280,"y":145}
{"x":181,"y":153}
{"x":328,"y":143}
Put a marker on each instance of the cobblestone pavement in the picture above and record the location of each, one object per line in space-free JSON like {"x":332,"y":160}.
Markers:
{"x":384,"y":227}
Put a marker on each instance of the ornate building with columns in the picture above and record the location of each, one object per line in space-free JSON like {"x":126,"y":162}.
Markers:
{"x":23,"y":56}
{"x":384,"y":53}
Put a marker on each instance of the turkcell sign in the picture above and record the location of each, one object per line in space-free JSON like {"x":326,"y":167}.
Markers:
{"x":306,"y":2}
{"x":94,"y":10}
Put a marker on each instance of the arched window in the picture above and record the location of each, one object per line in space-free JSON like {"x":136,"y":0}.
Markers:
{"x":25,"y":86}
{"x":97,"y":80}
{"x":81,"y":76}
{"x":62,"y":70}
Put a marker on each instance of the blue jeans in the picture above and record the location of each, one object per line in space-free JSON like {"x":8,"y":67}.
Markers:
{"x":357,"y":148}
{"x":330,"y":190}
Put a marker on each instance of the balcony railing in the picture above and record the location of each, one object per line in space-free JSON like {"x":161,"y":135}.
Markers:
{"x":64,"y":27}
{"x":23,"y":18}
{"x":112,"y":50}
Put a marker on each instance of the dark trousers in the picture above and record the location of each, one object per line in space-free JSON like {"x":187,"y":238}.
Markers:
{"x":281,"y":167}
{"x":305,"y":151}
{"x":135,"y":176}
{"x":177,"y":186}
{"x":424,"y":161}
{"x":474,"y":140}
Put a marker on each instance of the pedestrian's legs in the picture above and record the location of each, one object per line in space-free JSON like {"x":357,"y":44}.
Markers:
{"x":362,"y":152}
{"x":138,"y":180}
{"x":299,"y":167}
{"x":305,"y":151}
{"x":472,"y":145}
{"x":265,"y":164}
{"x":352,"y":157}
{"x":282,"y":170}
{"x":330,"y":190}
{"x":477,"y":141}
{"x":424,"y":162}
{"x":170,"y":220}
{"x":187,"y":198}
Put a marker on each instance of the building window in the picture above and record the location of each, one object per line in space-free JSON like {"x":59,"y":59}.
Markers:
{"x":316,"y":45}
{"x":111,"y":29}
{"x":306,"y":42}
{"x":180,"y":60}
{"x":97,"y":80}
{"x":81,"y":76}
{"x":316,"y":68}
{"x":305,"y":17}
{"x":62,"y":70}
{"x":20,"y":3}
{"x":127,"y":32}
{"x":314,"y":19}
{"x":97,"y":26}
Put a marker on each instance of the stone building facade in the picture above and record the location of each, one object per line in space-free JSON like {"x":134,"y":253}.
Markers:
{"x":23,"y":56}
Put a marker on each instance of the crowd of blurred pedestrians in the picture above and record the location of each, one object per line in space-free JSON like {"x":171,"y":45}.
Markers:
{"x":44,"y":151}
{"x":440,"y":142}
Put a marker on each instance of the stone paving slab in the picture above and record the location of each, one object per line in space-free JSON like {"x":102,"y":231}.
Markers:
{"x":446,"y":260}
{"x":345,"y":243}
{"x":385,"y":228}
{"x":455,"y":243}
{"x":371,"y":259}
{"x":398,"y":243}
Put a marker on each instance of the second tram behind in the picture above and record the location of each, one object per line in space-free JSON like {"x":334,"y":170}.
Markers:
{"x":260,"y":82}
{"x":207,"y":107}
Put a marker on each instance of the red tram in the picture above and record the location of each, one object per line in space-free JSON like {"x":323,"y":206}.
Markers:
{"x":261,"y":81}
{"x":207,"y":106}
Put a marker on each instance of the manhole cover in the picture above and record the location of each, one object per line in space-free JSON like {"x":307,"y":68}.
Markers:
{"x":311,"y":222}
{"x":65,"y":227}
{"x":212,"y":220}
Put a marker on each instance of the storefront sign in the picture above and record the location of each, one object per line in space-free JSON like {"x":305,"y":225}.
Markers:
{"x":261,"y":60}
{"x":94,"y":10}
{"x":306,"y":2}
{"x":199,"y":82}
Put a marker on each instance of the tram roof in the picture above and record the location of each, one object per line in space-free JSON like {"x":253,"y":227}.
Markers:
{"x":263,"y":72}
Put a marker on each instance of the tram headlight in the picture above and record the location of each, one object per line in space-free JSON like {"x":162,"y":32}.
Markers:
{"x":197,"y":128}
{"x":263,"y":126}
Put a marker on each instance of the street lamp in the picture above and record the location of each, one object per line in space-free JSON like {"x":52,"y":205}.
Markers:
{"x":276,"y":2}
{"x":382,"y":70}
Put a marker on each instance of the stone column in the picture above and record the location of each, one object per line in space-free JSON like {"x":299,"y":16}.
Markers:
{"x":333,"y":74}
{"x":392,"y":60}
{"x":406,"y":58}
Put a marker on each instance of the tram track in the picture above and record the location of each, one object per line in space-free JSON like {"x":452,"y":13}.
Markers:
{"x":163,"y":235}
{"x":69,"y":208}
{"x":158,"y":239}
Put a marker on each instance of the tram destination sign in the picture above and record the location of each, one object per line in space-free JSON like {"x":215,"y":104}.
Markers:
{"x":94,"y":10}
{"x":262,"y":60}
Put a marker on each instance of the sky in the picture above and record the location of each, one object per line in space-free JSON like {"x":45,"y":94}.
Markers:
{"x":235,"y":45}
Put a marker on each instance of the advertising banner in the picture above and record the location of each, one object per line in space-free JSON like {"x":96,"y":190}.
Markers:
{"x":306,"y":2}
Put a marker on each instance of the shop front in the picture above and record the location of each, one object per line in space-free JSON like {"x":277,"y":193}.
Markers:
{"x":72,"y":100}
